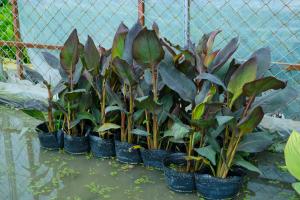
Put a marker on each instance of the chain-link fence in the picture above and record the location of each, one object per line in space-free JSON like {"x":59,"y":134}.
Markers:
{"x":29,"y":27}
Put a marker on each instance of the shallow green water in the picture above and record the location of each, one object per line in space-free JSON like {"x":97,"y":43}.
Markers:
{"x":28,"y":172}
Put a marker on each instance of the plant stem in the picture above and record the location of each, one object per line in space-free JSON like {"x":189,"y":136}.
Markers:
{"x":103,"y":101}
{"x":130,"y":121}
{"x":50,"y":111}
{"x":155,"y":98}
{"x":148,"y":130}
{"x":123,"y":132}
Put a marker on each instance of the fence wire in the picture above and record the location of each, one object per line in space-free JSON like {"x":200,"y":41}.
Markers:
{"x":45,"y":24}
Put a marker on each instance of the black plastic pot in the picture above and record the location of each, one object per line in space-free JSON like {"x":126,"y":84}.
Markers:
{"x":178,"y":181}
{"x":215,"y":188}
{"x":76,"y":145}
{"x":154,"y":158}
{"x":50,"y":141}
{"x":102,"y":148}
{"x":126,"y":154}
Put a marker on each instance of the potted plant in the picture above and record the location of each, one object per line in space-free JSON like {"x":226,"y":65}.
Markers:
{"x":49,"y":131}
{"x":128,"y":73}
{"x":75,"y":96}
{"x":239,"y":92}
{"x":97,"y":70}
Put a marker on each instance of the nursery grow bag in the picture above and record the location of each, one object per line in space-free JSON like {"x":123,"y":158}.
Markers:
{"x":178,"y":181}
{"x":76,"y":145}
{"x":50,"y":141}
{"x":211,"y":187}
{"x":125,"y":153}
{"x":102,"y":148}
{"x":153,"y":158}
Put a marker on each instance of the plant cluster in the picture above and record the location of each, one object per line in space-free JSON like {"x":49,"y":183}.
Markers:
{"x":147,"y":91}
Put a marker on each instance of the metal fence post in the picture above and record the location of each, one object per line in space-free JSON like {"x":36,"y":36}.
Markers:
{"x":187,"y":21}
{"x":141,"y":11}
{"x":17,"y":35}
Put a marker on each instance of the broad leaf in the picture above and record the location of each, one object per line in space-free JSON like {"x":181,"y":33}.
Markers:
{"x":147,"y":49}
{"x":51,"y":60}
{"x":296,"y":187}
{"x":39,"y":115}
{"x":255,"y":142}
{"x":178,"y":82}
{"x":112,"y":97}
{"x":222,"y":120}
{"x":69,"y":54}
{"x":58,"y":88}
{"x":139,"y":132}
{"x":32,"y":75}
{"x":147,"y":103}
{"x":112,"y":108}
{"x":251,"y":121}
{"x":239,"y":161}
{"x":75,"y":94}
{"x":124,"y":71}
{"x":207,"y":152}
{"x":119,"y":41}
{"x":178,"y":131}
{"x":263,"y":59}
{"x":277,"y":100}
{"x":198,"y":111}
{"x":212,"y":78}
{"x":256,"y":87}
{"x":292,"y":154}
{"x":224,"y":54}
{"x":203,"y":123}
{"x":108,"y":126}
{"x":244,"y":74}
{"x":91,"y":56}
{"x":82,"y":116}
{"x":132,"y":34}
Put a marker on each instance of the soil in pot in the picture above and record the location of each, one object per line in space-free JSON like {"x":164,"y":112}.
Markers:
{"x":215,"y":188}
{"x":154,"y":157}
{"x":125,"y":153}
{"x":176,"y":178}
{"x":76,"y":145}
{"x":101,"y":148}
{"x":50,"y":140}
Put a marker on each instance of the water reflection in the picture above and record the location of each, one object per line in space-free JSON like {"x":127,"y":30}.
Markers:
{"x":28,"y":172}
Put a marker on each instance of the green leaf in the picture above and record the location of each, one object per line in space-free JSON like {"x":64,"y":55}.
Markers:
{"x":132,"y":34}
{"x":39,"y":115}
{"x":198,"y":111}
{"x":117,"y":49}
{"x":147,"y":103}
{"x":251,"y":121}
{"x":178,"y":82}
{"x":139,"y":132}
{"x":244,"y":74}
{"x":147,"y":49}
{"x":69,"y":54}
{"x":296,"y":187}
{"x":51,"y":60}
{"x":108,"y":126}
{"x":247,"y":165}
{"x":82,"y":116}
{"x":256,"y":87}
{"x":224,"y":54}
{"x":292,"y":154}
{"x":91,"y":56}
{"x":178,"y":131}
{"x":204,"y":123}
{"x":112,"y":108}
{"x":124,"y":71}
{"x":277,"y":101}
{"x":75,"y":94}
{"x":212,"y":78}
{"x":224,"y":119}
{"x":255,"y":142}
{"x":263,"y":60}
{"x":207,"y":152}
